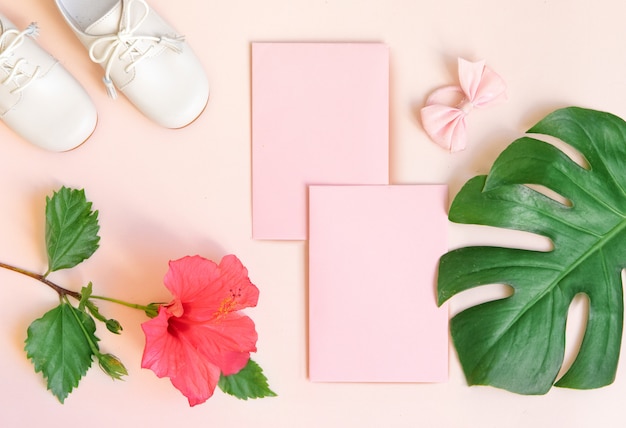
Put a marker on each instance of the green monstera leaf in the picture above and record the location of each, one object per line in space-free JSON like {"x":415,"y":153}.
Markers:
{"x":518,"y":342}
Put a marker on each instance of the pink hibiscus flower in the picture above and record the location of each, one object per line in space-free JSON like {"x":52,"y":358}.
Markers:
{"x":201,"y":334}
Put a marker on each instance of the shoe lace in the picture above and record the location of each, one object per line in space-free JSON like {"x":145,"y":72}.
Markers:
{"x":13,"y":40}
{"x":125,"y":43}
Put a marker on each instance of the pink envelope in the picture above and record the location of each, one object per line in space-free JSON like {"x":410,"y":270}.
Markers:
{"x":373,"y":255}
{"x":320,"y":115}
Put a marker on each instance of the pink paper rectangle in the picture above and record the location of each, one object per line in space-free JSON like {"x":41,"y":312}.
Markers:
{"x":320,"y":115}
{"x":373,"y":256}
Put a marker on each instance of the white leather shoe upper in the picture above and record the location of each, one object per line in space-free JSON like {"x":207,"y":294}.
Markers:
{"x":142,"y":56}
{"x":39,"y":99}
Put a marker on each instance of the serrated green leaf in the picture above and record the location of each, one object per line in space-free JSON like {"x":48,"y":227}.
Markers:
{"x":85,"y":295}
{"x":517,"y":343}
{"x":58,"y":348}
{"x":71,"y":229}
{"x":249,"y":382}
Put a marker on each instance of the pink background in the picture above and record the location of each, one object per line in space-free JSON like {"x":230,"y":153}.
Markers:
{"x":164,"y":194}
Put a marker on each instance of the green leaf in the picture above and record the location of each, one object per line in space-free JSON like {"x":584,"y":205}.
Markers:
{"x":85,"y":295}
{"x":85,"y":303}
{"x":59,"y":349}
{"x":71,"y":229}
{"x":249,"y":382}
{"x":517,"y":343}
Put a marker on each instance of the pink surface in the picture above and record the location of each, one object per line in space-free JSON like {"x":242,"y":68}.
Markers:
{"x":373,"y":253}
{"x":319,"y":115}
{"x":164,"y":194}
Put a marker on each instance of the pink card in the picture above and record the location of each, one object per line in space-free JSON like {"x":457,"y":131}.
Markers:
{"x":373,"y":255}
{"x":320,"y":115}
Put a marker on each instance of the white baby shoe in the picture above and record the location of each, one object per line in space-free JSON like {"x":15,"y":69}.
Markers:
{"x":142,"y":56}
{"x":39,"y":98}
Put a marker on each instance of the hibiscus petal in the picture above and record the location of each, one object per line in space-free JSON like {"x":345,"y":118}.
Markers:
{"x":195,"y":377}
{"x":170,"y":354}
{"x":189,"y":276}
{"x":227,"y":342}
{"x":207,"y":289}
{"x":235,"y":282}
{"x":158,"y":344}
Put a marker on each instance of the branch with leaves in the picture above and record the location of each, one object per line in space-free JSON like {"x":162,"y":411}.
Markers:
{"x":62,"y":344}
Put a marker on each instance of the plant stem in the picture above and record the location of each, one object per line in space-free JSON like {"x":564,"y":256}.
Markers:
{"x":65,"y":292}
{"x":123,"y":303}
{"x":42,"y":278}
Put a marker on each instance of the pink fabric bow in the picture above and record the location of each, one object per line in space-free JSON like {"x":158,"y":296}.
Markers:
{"x":443,"y":117}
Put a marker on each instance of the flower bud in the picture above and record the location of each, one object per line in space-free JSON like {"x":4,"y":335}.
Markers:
{"x":152,"y":310}
{"x":114,"y":326}
{"x":112,"y":366}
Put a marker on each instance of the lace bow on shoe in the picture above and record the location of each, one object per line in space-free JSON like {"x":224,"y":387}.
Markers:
{"x":128,"y":46}
{"x":15,"y":67}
